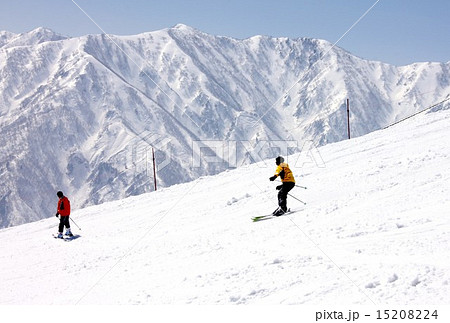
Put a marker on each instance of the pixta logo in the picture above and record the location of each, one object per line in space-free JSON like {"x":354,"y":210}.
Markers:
{"x":238,"y":153}
{"x":141,"y":154}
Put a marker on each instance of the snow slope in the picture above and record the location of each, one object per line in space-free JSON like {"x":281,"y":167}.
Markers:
{"x":375,"y":230}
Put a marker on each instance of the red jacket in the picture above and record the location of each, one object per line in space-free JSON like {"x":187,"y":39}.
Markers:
{"x":64,"y":206}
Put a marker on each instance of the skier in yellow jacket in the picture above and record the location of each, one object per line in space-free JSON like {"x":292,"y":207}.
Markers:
{"x":288,"y":183}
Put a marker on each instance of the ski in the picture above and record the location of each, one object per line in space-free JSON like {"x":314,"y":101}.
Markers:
{"x":269,"y":216}
{"x":75,"y":236}
{"x":263,"y":217}
{"x":67,"y":238}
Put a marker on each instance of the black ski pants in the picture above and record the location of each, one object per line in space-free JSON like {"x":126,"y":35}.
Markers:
{"x":282,"y":194}
{"x":64,"y":221}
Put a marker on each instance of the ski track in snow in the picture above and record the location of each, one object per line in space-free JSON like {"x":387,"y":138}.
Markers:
{"x":374,"y":231}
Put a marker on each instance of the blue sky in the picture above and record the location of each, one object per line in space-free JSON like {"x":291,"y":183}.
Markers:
{"x":399,"y":32}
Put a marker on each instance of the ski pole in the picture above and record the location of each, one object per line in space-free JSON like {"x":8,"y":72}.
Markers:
{"x":297,"y":199}
{"x":74,"y":223}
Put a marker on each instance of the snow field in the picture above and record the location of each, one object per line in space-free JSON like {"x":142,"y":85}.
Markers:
{"x":374,"y":232}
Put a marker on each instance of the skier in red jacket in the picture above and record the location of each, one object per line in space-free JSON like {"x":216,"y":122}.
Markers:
{"x":63,"y":211}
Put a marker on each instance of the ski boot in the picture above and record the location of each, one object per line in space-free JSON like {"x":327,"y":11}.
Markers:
{"x":280,"y":212}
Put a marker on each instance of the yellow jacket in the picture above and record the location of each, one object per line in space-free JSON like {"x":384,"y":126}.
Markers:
{"x":285,"y":173}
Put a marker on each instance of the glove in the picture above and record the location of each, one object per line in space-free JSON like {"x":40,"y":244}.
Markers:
{"x":56,"y":214}
{"x":279,"y":187}
{"x":272,"y":178}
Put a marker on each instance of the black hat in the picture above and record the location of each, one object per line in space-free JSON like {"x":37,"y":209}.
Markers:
{"x":60,"y":194}
{"x":279,"y":160}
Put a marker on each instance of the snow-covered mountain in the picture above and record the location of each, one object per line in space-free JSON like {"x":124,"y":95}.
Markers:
{"x":80,"y":114}
{"x":374,"y":231}
{"x":34,"y":37}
